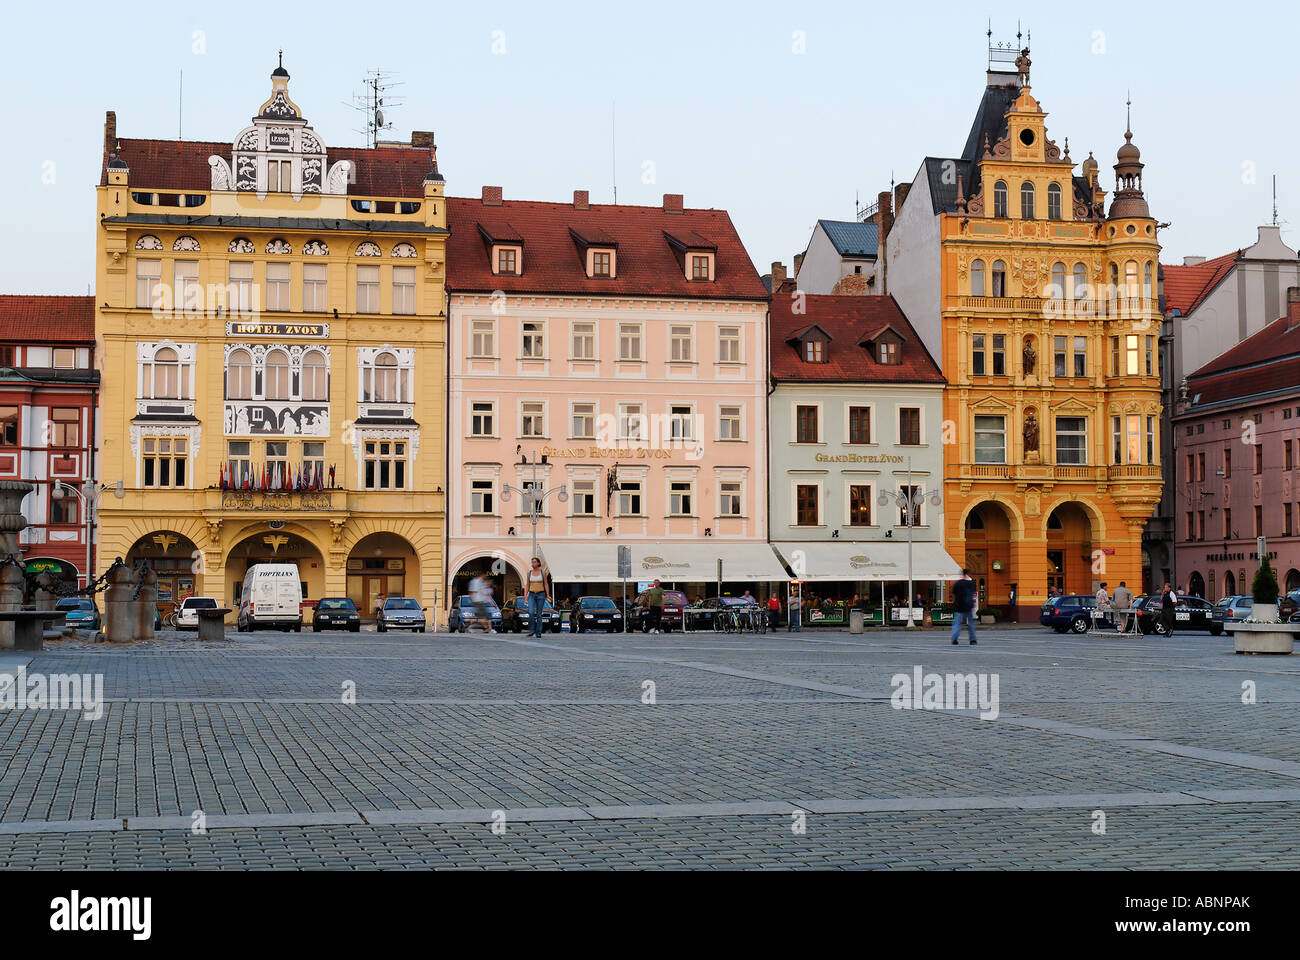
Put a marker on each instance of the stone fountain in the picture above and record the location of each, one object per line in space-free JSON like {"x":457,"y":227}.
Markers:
{"x":12,"y":522}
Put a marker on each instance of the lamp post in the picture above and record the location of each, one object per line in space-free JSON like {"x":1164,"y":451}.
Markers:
{"x":908,"y":500}
{"x":533,"y":496}
{"x":88,"y":498}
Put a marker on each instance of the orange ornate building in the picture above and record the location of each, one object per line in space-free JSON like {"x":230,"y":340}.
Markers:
{"x":1043,"y":308}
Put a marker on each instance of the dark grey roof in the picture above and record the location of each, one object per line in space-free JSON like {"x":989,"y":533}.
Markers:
{"x":990,"y":119}
{"x":278,"y":223}
{"x":385,"y":422}
{"x":164,"y":418}
{"x":49,"y":375}
{"x":851,"y":238}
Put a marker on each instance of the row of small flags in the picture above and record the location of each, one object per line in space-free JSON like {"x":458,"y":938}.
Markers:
{"x":277,"y":477}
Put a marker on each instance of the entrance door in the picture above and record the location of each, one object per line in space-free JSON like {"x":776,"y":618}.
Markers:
{"x":374,"y":590}
{"x":1055,"y":571}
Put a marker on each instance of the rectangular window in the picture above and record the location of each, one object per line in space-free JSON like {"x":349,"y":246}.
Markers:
{"x":277,"y":460}
{"x":532,"y":420}
{"x":583,"y":426}
{"x":681,"y":422}
{"x":384,"y":465}
{"x":1131,"y":355}
{"x":1227,"y":524}
{"x":277,"y":286}
{"x":584,"y":498}
{"x":699,"y":268}
{"x":482,"y":338}
{"x":164,"y":461}
{"x":600,"y":264}
{"x":977,"y":355}
{"x":1227,"y":462}
{"x":1286,"y":455}
{"x":728,"y":423}
{"x":999,"y":355}
{"x":679,"y":498}
{"x":482,"y":418}
{"x":534,"y":343}
{"x":1200,"y":467}
{"x":1072,"y":440}
{"x":888,"y":353}
{"x":729,"y":499}
{"x":1259,"y":458}
{"x":629,"y":341}
{"x":1149,"y":355}
{"x":813,"y":351}
{"x":507,"y":261}
{"x":1117,"y":441}
{"x":990,"y":439}
{"x":64,"y":509}
{"x":1286,"y":519}
{"x":185,"y":291}
{"x":1133,"y":425}
{"x":480,"y":497}
{"x":315,"y":288}
{"x":629,"y":498}
{"x":65,"y":426}
{"x":1191,"y":525}
{"x":313,"y":459}
{"x":1151,"y":440}
{"x":240,"y":463}
{"x":859,"y":505}
{"x":806,"y":505}
{"x":805,"y":417}
{"x":1200,"y":524}
{"x":1058,"y":356}
{"x":404,"y":290}
{"x":1114,"y":356}
{"x":910,"y":495}
{"x":148,"y":274}
{"x":859,"y":424}
{"x":8,"y":426}
{"x":240,"y":288}
{"x":680,"y":344}
{"x":729,"y":344}
{"x":1259,"y":520}
{"x":279,"y":176}
{"x":584,"y":340}
{"x":1080,"y":356}
{"x":631,"y":422}
{"x":909,"y":426}
{"x":1191,"y":465}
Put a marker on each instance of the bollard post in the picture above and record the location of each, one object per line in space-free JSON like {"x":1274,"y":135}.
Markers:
{"x":117,"y":603}
{"x":12,"y":583}
{"x":146,"y":601}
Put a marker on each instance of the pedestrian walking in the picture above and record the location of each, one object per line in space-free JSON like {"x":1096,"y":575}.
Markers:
{"x":795,"y":609}
{"x":1168,"y":600}
{"x":963,"y":607}
{"x":480,"y":592}
{"x":1122,"y":601}
{"x":655,"y":597}
{"x":1103,"y":603}
{"x":538,"y":594}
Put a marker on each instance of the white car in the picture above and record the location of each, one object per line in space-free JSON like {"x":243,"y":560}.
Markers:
{"x":187,"y":617}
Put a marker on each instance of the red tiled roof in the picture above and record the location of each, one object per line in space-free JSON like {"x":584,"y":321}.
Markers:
{"x":552,"y":263}
{"x":847,"y":319}
{"x":182,"y":166}
{"x":1185,"y":287}
{"x":1265,"y":362}
{"x":46,"y":319}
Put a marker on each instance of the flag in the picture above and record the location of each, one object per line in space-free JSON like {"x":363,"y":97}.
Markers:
{"x":221,"y":482}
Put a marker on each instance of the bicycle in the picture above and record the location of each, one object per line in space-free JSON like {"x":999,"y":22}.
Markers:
{"x":170,"y":620}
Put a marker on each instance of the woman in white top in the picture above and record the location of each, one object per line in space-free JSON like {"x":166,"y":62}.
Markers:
{"x":538,"y":594}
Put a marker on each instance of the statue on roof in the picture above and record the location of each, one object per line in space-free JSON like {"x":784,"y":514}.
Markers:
{"x":1022,"y":66}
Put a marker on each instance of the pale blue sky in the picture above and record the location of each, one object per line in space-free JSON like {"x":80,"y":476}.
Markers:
{"x":711,"y":93}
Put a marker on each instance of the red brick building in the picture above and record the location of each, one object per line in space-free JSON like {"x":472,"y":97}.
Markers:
{"x":49,"y":390}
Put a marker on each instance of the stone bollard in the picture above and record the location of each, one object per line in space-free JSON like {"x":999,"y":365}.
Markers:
{"x":117,"y":603}
{"x":145,"y":606}
{"x":12,"y":584}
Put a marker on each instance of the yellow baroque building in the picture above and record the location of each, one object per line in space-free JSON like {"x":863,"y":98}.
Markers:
{"x":271,"y":322}
{"x":1049,"y":338}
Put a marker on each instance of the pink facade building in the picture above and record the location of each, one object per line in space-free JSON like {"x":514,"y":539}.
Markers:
{"x":617,"y":357}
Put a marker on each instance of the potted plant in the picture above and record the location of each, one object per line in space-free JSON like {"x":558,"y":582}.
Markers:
{"x":1264,"y":591}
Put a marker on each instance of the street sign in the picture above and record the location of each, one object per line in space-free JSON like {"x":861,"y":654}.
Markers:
{"x":624,"y":562}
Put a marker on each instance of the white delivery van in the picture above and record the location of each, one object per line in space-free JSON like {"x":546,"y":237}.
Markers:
{"x":270,"y":598}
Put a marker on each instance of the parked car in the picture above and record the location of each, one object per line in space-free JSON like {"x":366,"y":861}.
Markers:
{"x":516,"y":618}
{"x":187,"y":614}
{"x":400,"y":613}
{"x":462,"y":615}
{"x":1288,"y":605}
{"x":1070,"y":612}
{"x":270,"y":597}
{"x":336,"y":613}
{"x":79,"y":612}
{"x":674,"y":603}
{"x":1235,"y":607}
{"x":702,"y":617}
{"x":1190,"y":613}
{"x":597,"y":613}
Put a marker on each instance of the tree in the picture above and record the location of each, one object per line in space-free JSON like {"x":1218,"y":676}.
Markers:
{"x":1264,"y":589}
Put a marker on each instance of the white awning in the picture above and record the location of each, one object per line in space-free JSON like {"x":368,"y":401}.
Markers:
{"x":672,"y":561}
{"x":831,"y":560}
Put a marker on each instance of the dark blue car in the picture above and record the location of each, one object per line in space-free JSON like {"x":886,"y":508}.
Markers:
{"x":79,"y":612}
{"x":1070,"y":612}
{"x":462,"y":615}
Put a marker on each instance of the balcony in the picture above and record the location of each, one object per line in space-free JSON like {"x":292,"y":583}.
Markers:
{"x":1056,"y":472}
{"x":1135,"y":471}
{"x":279,"y":501}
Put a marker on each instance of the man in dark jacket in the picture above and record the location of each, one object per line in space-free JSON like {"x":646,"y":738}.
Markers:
{"x":963,"y":605}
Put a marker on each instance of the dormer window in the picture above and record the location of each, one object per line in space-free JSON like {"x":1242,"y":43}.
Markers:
{"x":696,"y":255}
{"x":507,"y":261}
{"x":701,"y":267}
{"x":814,"y":351}
{"x":887,"y":351}
{"x":279,"y":176}
{"x":602,"y":263}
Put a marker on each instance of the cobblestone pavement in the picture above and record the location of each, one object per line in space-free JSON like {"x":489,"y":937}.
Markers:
{"x":779,"y":750}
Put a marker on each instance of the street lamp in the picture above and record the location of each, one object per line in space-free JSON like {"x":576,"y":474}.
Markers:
{"x":88,"y":498}
{"x":533,"y":496}
{"x":908,"y":500}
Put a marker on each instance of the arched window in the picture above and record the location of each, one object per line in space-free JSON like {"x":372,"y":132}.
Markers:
{"x":166,"y":375}
{"x":239,"y":375}
{"x":1131,"y":279}
{"x":1146,"y":281}
{"x":1080,"y":281}
{"x":1054,"y":202}
{"x":999,"y":199}
{"x":977,"y":278}
{"x":999,"y":278}
{"x":315,"y":377}
{"x":386,"y":381}
{"x":1058,"y":281}
{"x":1114,"y":279}
{"x":1027,"y":201}
{"x":277,"y":375}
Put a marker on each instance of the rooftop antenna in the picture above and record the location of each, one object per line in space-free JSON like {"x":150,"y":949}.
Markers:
{"x":1128,"y":111}
{"x":180,"y":101}
{"x":1275,"y":199}
{"x":613,"y":149}
{"x":371,"y":102}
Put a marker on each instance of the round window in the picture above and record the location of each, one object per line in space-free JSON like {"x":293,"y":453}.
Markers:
{"x":1131,"y":229}
{"x":1027,"y":137}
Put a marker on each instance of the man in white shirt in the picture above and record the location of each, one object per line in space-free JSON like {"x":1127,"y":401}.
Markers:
{"x":1103,"y":604}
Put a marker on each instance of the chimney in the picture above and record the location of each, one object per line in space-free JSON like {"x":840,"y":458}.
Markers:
{"x":673,"y":202}
{"x":580,"y":200}
{"x":110,"y":132}
{"x":778,"y":275}
{"x":884,"y":214}
{"x":422,"y":138}
{"x":1292,"y":307}
{"x":900,"y":194}
{"x":491,"y":196}
{"x":798,"y":262}
{"x":1192,"y":261}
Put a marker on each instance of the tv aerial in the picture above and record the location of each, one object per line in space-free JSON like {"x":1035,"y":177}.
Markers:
{"x":371,"y":102}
